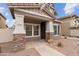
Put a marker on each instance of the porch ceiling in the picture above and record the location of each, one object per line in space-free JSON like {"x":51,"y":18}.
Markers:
{"x":28,"y":19}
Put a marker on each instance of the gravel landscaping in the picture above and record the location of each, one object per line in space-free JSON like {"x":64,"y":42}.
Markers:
{"x":68,"y":47}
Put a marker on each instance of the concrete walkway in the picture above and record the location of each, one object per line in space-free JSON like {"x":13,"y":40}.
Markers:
{"x":45,"y":50}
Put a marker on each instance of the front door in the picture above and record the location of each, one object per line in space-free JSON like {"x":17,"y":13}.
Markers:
{"x":43,"y":29}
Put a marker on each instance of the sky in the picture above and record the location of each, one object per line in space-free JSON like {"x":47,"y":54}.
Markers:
{"x":65,"y":9}
{"x":6,"y":12}
{"x":62,"y":9}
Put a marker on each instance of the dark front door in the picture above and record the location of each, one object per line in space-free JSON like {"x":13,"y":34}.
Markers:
{"x":43,"y":29}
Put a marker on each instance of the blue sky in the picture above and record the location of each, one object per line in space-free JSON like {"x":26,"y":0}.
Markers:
{"x":77,"y":11}
{"x":60,"y":9}
{"x":58,"y":6}
{"x":61,"y":12}
{"x":6,"y":12}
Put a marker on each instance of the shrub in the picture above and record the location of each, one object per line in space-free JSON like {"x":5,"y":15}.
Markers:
{"x":59,"y":44}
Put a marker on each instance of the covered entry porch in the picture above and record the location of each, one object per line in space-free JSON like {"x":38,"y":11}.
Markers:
{"x":33,"y":26}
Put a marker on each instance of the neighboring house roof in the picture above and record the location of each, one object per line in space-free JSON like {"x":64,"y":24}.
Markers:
{"x":2,"y":16}
{"x":69,"y":16}
{"x":57,"y":21}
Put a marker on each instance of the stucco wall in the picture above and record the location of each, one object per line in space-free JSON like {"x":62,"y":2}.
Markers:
{"x":75,"y":32}
{"x":5,"y":35}
{"x":72,"y":23}
{"x":65,"y":26}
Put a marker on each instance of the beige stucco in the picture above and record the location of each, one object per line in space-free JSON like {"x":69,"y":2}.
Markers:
{"x":5,"y":35}
{"x":65,"y":26}
{"x":69,"y":22}
{"x":74,"y":32}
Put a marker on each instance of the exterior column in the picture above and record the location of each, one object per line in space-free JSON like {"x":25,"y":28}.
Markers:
{"x":49,"y":31}
{"x":19,"y":26}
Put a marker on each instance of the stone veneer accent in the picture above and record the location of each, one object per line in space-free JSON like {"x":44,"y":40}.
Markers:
{"x":49,"y":36}
{"x":19,"y":35}
{"x":33,"y":38}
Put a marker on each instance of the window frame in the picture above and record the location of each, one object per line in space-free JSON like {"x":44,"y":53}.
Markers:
{"x":37,"y":30}
{"x":57,"y":29}
{"x":33,"y":29}
{"x":30,"y":30}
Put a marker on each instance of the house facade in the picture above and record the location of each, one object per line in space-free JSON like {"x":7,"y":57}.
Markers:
{"x":35,"y":21}
{"x":70,"y":26}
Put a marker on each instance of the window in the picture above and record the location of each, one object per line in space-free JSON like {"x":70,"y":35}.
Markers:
{"x":29,"y":30}
{"x":36,"y":30}
{"x":32,"y":29}
{"x":56,"y":29}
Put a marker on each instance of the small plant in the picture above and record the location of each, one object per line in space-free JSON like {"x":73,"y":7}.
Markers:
{"x":59,"y":44}
{"x":65,"y":37}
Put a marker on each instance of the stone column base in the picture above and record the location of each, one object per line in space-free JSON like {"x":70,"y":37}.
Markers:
{"x":22,"y":36}
{"x":49,"y":36}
